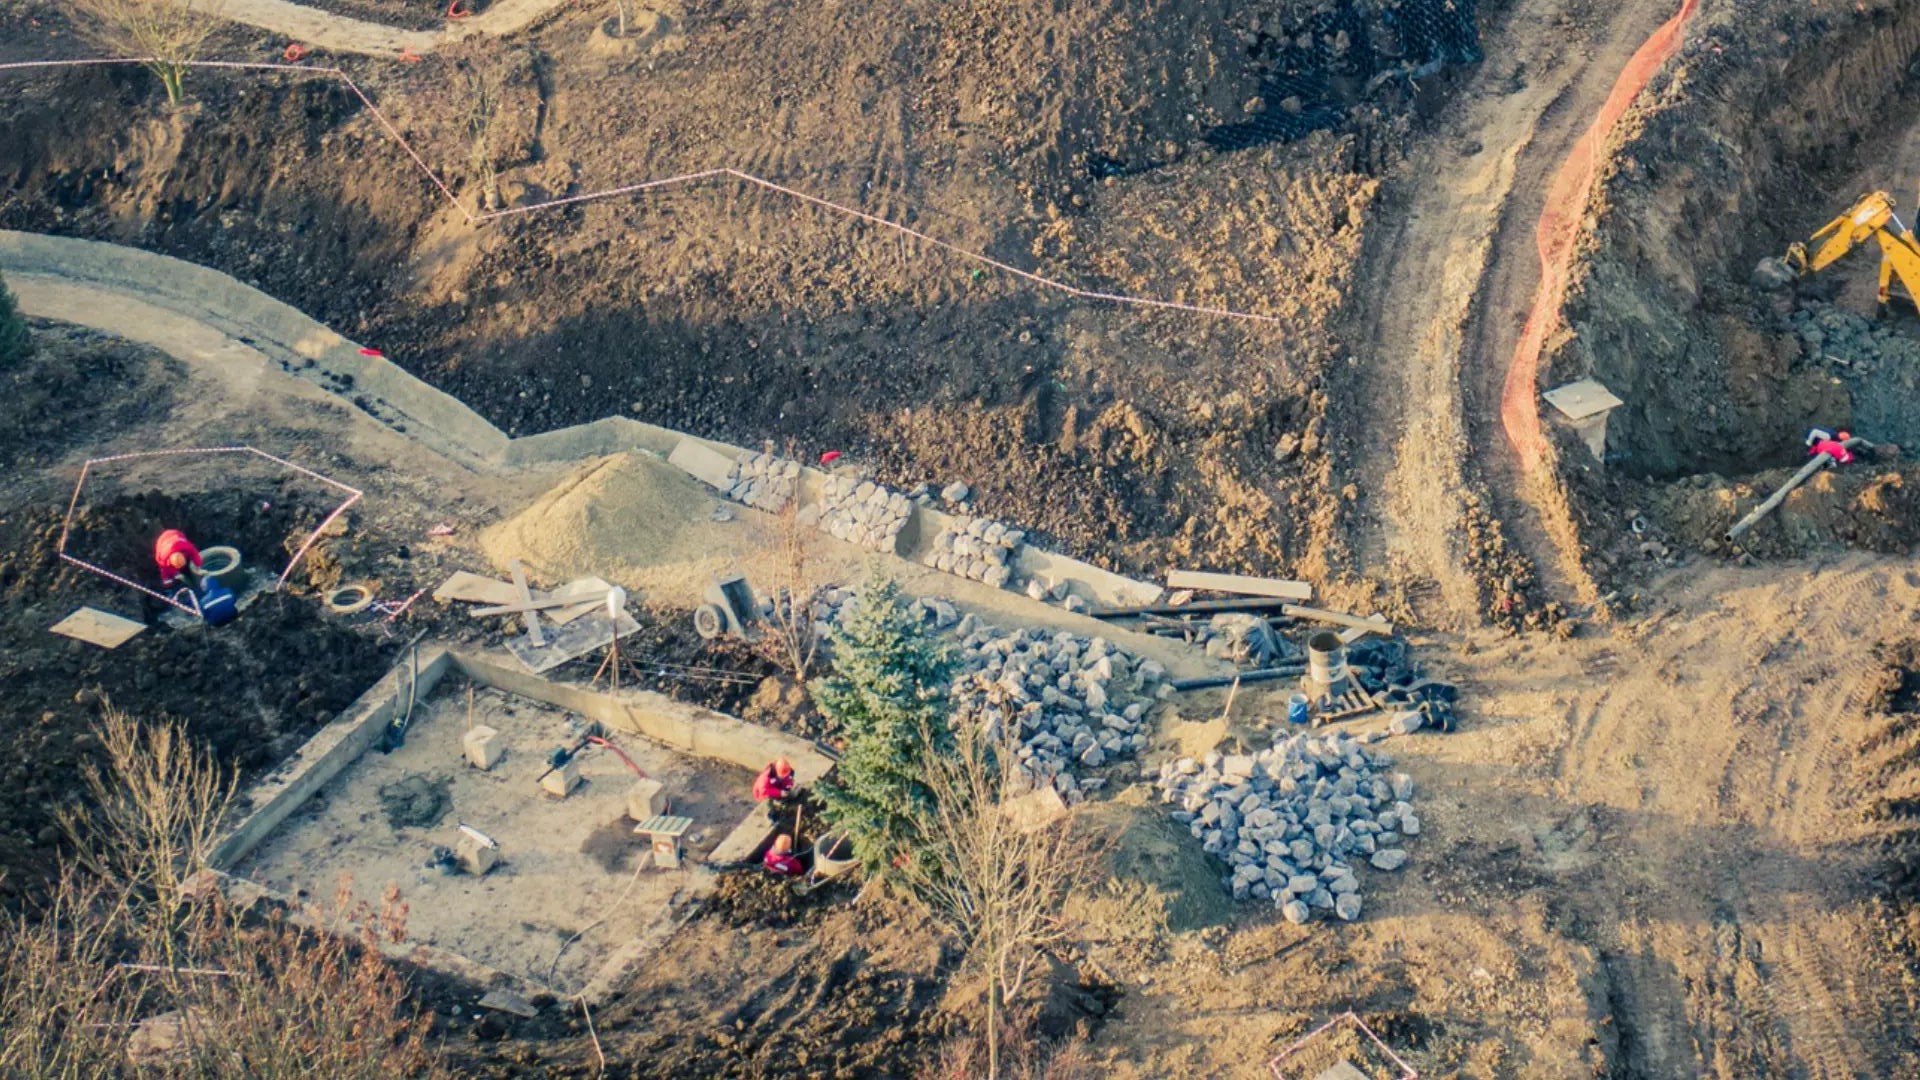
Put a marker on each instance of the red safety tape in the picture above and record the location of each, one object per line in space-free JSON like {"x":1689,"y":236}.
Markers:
{"x":685,"y":179}
{"x":1559,"y":230}
{"x":86,"y":468}
{"x":457,"y":9}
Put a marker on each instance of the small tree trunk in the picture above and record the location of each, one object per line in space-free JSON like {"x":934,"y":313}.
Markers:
{"x":993,"y":1026}
{"x":171,"y":76}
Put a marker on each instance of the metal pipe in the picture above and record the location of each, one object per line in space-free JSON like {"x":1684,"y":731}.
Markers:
{"x":1212,"y":682}
{"x":1214,"y":606}
{"x":1820,"y":461}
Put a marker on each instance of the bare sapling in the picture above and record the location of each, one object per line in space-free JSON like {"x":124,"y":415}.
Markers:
{"x":153,"y":817}
{"x":792,"y":640}
{"x":166,"y":35}
{"x":997,"y":879}
{"x":482,"y":121}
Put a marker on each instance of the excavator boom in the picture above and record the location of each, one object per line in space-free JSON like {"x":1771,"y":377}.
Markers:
{"x":1871,"y":217}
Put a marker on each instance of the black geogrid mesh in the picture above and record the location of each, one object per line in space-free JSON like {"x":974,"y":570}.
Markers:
{"x":1340,"y":55}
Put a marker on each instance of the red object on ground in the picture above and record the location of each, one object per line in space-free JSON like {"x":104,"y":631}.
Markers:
{"x":829,"y":457}
{"x":1834,"y":447}
{"x":457,"y":9}
{"x":786,"y":864}
{"x":173,"y":542}
{"x":294,"y":53}
{"x":771,"y":785}
{"x":364,"y":351}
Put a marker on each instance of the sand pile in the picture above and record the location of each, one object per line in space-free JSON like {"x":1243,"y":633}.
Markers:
{"x":632,"y":519}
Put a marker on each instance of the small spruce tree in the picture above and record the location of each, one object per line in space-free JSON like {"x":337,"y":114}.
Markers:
{"x":887,"y":693}
{"x":14,"y":343}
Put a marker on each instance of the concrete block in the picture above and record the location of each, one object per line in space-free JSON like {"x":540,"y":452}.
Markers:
{"x":560,"y":782}
{"x":645,"y":799}
{"x":484,"y":746}
{"x":475,"y":857}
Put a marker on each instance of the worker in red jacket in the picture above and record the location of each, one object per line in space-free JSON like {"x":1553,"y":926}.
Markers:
{"x":1830,"y":443}
{"x":775,"y":782}
{"x":781,"y":860}
{"x":172,"y":553}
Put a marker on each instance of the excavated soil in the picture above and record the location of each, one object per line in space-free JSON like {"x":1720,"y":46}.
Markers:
{"x":1134,"y":438}
{"x":251,"y":692}
{"x":1771,"y":122}
{"x":75,"y":384}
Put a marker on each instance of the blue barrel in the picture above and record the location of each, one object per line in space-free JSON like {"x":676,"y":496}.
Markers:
{"x":1297,"y":709}
{"x":217,"y":604}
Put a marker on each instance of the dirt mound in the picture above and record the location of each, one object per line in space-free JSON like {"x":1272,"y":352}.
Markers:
{"x":1745,"y":143}
{"x":630,"y":518}
{"x":1861,"y":507}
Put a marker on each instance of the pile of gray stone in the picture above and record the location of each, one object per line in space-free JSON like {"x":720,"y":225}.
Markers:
{"x":1069,"y":703}
{"x":764,"y":481}
{"x":977,"y":548}
{"x":1291,"y":821}
{"x":1875,"y":360}
{"x":861,"y":512}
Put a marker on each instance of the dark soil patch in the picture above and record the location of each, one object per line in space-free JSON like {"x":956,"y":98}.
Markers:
{"x":417,"y":802}
{"x":1899,"y":690}
{"x":251,"y":691}
{"x":74,"y":385}
{"x":405,"y":14}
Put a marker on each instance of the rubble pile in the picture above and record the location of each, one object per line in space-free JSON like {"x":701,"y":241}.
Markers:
{"x":861,"y":512}
{"x":764,"y":481}
{"x":1876,"y":362}
{"x":977,"y":548}
{"x":1068,"y":702}
{"x":1291,"y":821}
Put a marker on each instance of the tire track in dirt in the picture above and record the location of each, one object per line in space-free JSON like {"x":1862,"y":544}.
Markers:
{"x":1737,"y":925}
{"x":1439,"y":289}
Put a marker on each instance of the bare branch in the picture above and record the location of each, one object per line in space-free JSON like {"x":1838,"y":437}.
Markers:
{"x":168,"y":34}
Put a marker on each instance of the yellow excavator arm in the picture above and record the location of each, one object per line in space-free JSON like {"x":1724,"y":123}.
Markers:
{"x":1870,"y":217}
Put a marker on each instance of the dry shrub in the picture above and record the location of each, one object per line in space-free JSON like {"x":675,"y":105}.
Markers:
{"x":135,"y":954}
{"x":167,"y":35}
{"x":1000,"y":881}
{"x":789,"y":639}
{"x":1021,"y":1057}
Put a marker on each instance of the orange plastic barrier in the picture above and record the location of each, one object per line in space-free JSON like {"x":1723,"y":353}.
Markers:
{"x":1560,"y":226}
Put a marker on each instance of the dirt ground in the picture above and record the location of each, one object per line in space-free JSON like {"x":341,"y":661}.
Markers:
{"x":1672,"y":838}
{"x":569,"y":866}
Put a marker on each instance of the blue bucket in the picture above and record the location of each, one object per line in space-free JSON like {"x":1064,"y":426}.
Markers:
{"x":1297,"y":709}
{"x":217,"y":604}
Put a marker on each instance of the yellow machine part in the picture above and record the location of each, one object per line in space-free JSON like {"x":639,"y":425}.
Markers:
{"x":1869,"y":217}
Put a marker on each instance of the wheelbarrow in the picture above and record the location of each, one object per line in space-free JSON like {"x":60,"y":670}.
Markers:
{"x":728,"y":609}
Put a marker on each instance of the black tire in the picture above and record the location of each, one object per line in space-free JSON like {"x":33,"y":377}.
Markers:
{"x":708,"y":622}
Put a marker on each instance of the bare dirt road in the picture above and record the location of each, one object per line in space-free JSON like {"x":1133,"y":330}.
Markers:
{"x":1445,"y":284}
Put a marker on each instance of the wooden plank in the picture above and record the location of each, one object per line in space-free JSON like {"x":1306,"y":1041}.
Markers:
{"x":703,"y":463}
{"x":474,"y":589}
{"x":526,"y":598}
{"x":1373,"y":623}
{"x":96,"y":627}
{"x":547,"y":602}
{"x":1239,"y":583}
